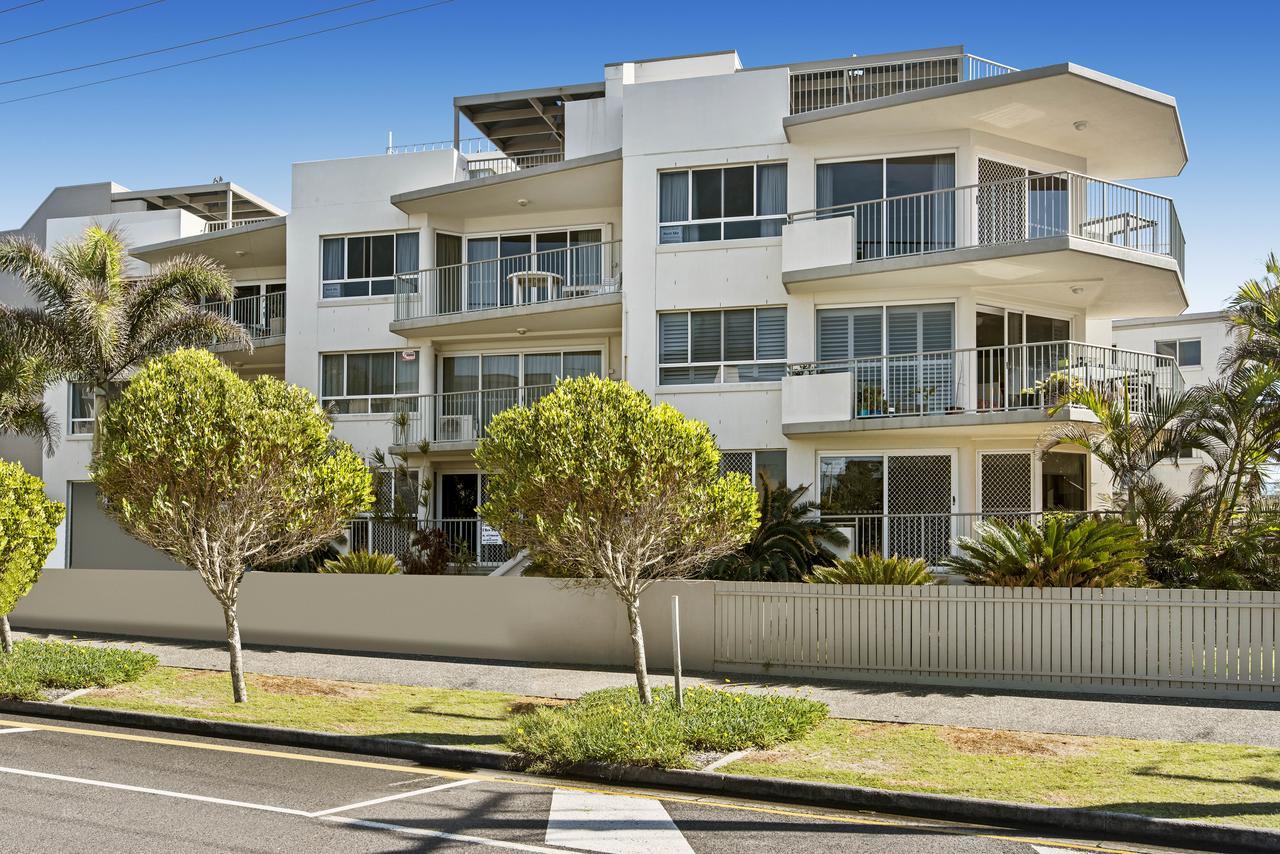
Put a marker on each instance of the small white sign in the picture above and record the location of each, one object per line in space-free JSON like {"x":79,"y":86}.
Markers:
{"x":408,"y":355}
{"x":489,"y":536}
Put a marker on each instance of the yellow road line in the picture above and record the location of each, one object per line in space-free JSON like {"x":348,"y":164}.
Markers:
{"x":498,"y":777}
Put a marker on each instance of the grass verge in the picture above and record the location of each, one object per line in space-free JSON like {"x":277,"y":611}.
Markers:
{"x":432,"y":715}
{"x":1224,"y":783}
{"x":34,"y":666}
{"x":612,"y":726}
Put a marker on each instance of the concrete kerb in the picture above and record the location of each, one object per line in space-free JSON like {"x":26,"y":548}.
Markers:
{"x":1070,"y":820}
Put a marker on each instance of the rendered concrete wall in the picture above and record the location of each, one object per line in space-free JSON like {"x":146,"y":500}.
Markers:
{"x":511,"y":619}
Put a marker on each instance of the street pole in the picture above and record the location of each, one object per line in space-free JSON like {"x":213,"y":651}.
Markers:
{"x":675,"y":649}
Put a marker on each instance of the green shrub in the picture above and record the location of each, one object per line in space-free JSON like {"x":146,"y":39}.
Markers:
{"x":35,"y":665}
{"x":362,"y":563}
{"x":28,"y":531}
{"x":1065,"y":551}
{"x":873,"y":569}
{"x":612,"y":726}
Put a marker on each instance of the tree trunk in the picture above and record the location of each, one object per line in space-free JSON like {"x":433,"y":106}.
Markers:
{"x":99,"y":405}
{"x":637,"y":651}
{"x":6,"y":636}
{"x":233,"y":647}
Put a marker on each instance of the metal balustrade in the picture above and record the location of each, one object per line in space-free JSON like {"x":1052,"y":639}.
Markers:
{"x":1017,"y":210}
{"x":822,"y":88}
{"x":223,"y":225}
{"x":486,"y":167}
{"x":467,"y":145}
{"x":473,"y":545}
{"x":551,"y":275}
{"x":993,"y":379}
{"x":928,"y":536}
{"x":262,"y":315}
{"x":458,"y":416}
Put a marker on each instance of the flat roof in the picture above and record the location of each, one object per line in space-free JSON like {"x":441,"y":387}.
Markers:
{"x":207,"y":201}
{"x":525,"y":121}
{"x":1171,"y":319}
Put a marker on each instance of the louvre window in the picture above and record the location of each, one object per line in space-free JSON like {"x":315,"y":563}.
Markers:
{"x":723,"y":346}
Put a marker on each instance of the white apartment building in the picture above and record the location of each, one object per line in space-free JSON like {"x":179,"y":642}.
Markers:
{"x":867,"y":275}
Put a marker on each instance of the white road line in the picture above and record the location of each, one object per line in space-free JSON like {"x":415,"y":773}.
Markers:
{"x":395,"y":797}
{"x":440,"y":834}
{"x":1045,"y":849}
{"x":16,"y":729}
{"x":612,"y":824}
{"x":143,"y":790}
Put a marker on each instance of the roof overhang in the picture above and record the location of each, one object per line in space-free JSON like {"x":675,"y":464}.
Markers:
{"x":594,"y":181}
{"x":207,"y":201}
{"x":564,"y":317}
{"x":1131,"y":131}
{"x":526,"y":121}
{"x":259,"y":244}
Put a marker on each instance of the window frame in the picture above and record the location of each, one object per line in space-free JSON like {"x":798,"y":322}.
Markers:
{"x":113,"y":390}
{"x":721,"y":220}
{"x":755,"y":463}
{"x":409,"y":399}
{"x":396,"y":274}
{"x":1177,"y":350}
{"x":721,"y":364}
{"x":521,"y":354}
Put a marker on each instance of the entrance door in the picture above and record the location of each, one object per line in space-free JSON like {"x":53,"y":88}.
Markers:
{"x":893,"y":504}
{"x":459,"y":498}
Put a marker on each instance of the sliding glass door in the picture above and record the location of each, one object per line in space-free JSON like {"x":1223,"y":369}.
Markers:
{"x":895,"y":503}
{"x":900,"y":204}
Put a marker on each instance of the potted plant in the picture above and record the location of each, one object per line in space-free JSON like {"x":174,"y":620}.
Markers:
{"x":871,"y":400}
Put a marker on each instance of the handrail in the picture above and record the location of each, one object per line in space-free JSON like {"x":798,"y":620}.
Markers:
{"x":262,"y":315}
{"x":223,"y":225}
{"x":1012,"y":210}
{"x":459,"y":416}
{"x":504,"y":164}
{"x":836,"y":85}
{"x":467,"y":145}
{"x":551,"y":275}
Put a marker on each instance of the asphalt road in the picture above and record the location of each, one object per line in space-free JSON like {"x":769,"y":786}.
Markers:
{"x":76,"y":787}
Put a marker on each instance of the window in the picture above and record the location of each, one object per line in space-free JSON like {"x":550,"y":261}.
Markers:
{"x":922,"y":223}
{"x":81,"y":408}
{"x":366,"y":265}
{"x":741,"y":345}
{"x":493,"y":371}
{"x":1186,"y":351}
{"x":737,"y":202}
{"x":763,"y":467}
{"x":490,"y":276}
{"x":353,"y":383}
{"x":1063,"y":481}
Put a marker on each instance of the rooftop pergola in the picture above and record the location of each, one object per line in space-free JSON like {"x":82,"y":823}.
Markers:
{"x":222,"y":201}
{"x":529,"y":121}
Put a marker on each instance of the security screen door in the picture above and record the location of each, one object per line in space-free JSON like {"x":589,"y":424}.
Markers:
{"x":895,"y":504}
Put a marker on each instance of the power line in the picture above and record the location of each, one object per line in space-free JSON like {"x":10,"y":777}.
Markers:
{"x":187,"y":44}
{"x":229,"y":52}
{"x":20,"y":6}
{"x":78,"y":23}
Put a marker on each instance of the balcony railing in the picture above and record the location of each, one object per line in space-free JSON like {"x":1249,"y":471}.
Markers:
{"x":262,"y":316}
{"x":552,"y":275}
{"x":927,"y":536}
{"x":459,"y":416}
{"x":223,"y":225}
{"x":820,"y":88}
{"x":998,"y":379}
{"x":502,"y":164}
{"x":1016,"y":210}
{"x":474,"y":546}
{"x":468,"y":145}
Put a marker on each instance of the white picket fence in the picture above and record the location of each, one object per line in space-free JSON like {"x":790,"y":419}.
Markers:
{"x":1158,"y":642}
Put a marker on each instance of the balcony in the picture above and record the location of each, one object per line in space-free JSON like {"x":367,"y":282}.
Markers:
{"x":475,"y":548}
{"x":1082,"y":234}
{"x":1015,"y":384}
{"x":480,"y":157}
{"x":262,"y":315}
{"x":575,"y":287}
{"x":213,"y":226}
{"x":852,"y":83}
{"x":457,"y":420}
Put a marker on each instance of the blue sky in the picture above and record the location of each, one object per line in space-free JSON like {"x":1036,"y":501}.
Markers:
{"x":247,"y":117}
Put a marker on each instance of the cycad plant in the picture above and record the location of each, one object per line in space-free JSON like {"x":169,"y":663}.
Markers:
{"x":873,"y":568}
{"x":361,"y":563}
{"x":95,"y":324}
{"x":1067,"y":550}
{"x":792,"y":539}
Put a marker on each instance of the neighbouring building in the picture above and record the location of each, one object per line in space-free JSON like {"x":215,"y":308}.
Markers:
{"x":869,"y":275}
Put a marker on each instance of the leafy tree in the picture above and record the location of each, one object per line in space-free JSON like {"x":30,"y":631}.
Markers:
{"x":99,"y":325}
{"x":221,"y":473}
{"x":790,"y":540}
{"x":602,"y":484}
{"x":28,"y":531}
{"x":1128,"y":443}
{"x":1068,"y":550}
{"x":873,"y":568}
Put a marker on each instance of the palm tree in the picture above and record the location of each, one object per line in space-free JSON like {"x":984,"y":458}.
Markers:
{"x":1129,"y":444}
{"x":1236,"y":422}
{"x":28,"y":366}
{"x":791,"y":540}
{"x":1254,"y":312}
{"x":105,"y":324}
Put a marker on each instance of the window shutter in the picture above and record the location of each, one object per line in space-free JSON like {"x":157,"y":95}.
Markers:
{"x":903,"y":330}
{"x":937,"y":328}
{"x":704,"y":336}
{"x":739,"y":335}
{"x":771,"y":333}
{"x":673,"y":338}
{"x":833,"y":335}
{"x":867,"y":333}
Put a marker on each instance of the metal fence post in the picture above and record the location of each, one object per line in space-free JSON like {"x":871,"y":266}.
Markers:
{"x":675,"y":650}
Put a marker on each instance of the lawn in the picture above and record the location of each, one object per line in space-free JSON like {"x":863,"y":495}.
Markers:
{"x":1208,"y":782}
{"x":434,"y":715}
{"x":1211,"y":782}
{"x":36,"y":667}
